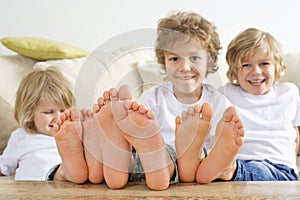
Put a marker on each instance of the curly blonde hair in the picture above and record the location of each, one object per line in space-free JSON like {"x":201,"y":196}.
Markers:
{"x":49,"y":83}
{"x":187,"y":26}
{"x":246,"y":44}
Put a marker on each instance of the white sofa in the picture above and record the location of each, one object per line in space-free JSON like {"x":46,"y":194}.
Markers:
{"x":90,"y":76}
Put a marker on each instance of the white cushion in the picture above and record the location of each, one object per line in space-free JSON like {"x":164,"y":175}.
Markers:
{"x":102,"y":71}
{"x":151,"y":73}
{"x":292,"y":73}
{"x":13,"y":69}
{"x":68,"y":67}
{"x":90,"y":76}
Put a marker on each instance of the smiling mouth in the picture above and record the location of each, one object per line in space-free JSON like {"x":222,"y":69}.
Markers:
{"x":185,"y":77}
{"x":257,"y":82}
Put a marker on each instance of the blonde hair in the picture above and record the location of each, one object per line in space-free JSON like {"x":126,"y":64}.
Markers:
{"x":187,"y":26}
{"x":246,"y":44}
{"x":49,"y":82}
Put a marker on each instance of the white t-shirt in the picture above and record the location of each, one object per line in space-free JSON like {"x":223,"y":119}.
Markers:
{"x":29,"y":156}
{"x":162,"y":101}
{"x":269,"y":122}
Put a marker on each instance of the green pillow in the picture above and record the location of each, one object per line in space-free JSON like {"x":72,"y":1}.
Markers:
{"x":42,"y":48}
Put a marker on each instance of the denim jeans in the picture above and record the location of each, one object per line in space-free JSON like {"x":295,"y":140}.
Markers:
{"x":138,"y":174}
{"x":263,"y":170}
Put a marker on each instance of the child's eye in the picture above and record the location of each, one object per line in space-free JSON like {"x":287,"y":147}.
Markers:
{"x":195,"y":58}
{"x":266,"y":63}
{"x":174,"y":59}
{"x":48,"y":112}
{"x":246,"y":65}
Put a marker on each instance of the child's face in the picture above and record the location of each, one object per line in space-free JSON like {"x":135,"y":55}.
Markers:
{"x":186,"y":69}
{"x":45,"y":115}
{"x":257,"y":74}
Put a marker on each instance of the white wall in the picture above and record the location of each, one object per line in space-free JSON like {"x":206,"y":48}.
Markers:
{"x":89,"y":23}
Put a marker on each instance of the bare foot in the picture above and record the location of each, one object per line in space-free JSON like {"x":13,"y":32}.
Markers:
{"x":116,"y":151}
{"x":191,"y":131}
{"x":141,"y":129}
{"x":221,"y":160}
{"x":68,"y":134}
{"x":92,"y":149}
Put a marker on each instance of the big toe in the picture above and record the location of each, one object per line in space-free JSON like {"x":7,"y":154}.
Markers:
{"x":229,"y":114}
{"x":125,"y":92}
{"x":207,"y":111}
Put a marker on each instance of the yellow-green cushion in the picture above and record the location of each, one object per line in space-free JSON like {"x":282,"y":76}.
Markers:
{"x":42,"y":48}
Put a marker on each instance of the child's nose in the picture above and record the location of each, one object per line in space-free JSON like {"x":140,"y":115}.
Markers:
{"x":186,"y":66}
{"x":257,"y":69}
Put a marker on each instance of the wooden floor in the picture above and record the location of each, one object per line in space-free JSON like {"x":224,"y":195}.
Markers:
{"x":10,"y":189}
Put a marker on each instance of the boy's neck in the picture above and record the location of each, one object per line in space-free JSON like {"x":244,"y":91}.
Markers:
{"x":188,"y":98}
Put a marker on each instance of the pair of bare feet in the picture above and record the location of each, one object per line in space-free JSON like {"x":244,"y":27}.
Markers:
{"x":97,"y":146}
{"x":192,"y":128}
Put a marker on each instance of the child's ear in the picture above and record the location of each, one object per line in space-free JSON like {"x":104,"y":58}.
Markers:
{"x":30,"y":123}
{"x":279,"y":71}
{"x":30,"y":119}
{"x":235,"y":80}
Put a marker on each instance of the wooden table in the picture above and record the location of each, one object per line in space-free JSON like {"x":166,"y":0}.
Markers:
{"x":10,"y":189}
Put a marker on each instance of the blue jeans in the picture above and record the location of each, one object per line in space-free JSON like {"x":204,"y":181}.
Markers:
{"x":138,"y":174}
{"x":263,"y":170}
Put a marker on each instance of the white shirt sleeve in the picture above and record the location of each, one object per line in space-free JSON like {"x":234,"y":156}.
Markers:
{"x":11,"y":154}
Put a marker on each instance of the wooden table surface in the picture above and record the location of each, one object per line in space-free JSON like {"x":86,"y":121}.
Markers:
{"x":10,"y":189}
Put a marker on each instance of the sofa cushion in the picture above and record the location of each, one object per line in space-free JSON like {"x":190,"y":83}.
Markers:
{"x":292,"y":62}
{"x":103,"y":70}
{"x":68,"y":67}
{"x":7,"y":123}
{"x":42,"y":48}
{"x":13,"y":69}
